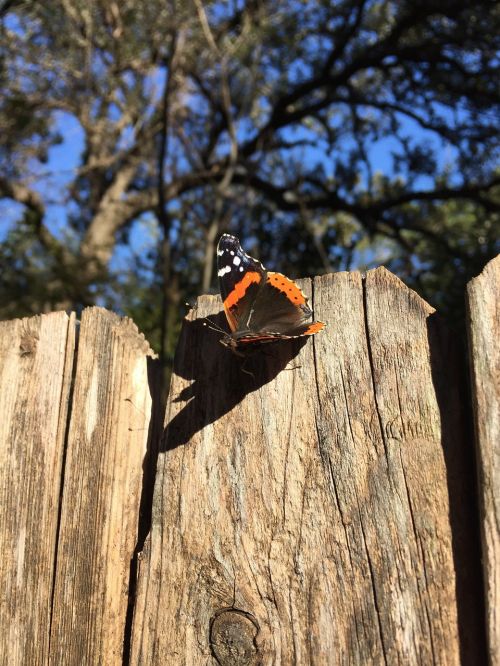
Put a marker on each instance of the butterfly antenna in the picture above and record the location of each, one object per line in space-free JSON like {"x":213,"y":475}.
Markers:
{"x":214,"y":326}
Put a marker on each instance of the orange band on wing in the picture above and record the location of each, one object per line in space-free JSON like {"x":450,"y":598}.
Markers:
{"x":231,"y":319}
{"x":287,"y":286}
{"x":315,"y":327}
{"x":240,"y":288}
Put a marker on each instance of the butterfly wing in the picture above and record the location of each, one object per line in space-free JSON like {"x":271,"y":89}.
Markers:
{"x":260,"y":306}
{"x":240,"y":278}
{"x":280,"y":309}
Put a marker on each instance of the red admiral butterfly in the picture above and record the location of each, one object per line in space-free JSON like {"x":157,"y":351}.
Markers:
{"x":260,"y":306}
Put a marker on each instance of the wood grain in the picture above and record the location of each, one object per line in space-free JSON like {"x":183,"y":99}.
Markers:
{"x":107,"y":438}
{"x":483,"y":298}
{"x":36,"y":358}
{"x":303,"y":507}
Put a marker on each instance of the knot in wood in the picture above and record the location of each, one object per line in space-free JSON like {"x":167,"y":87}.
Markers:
{"x":28,"y":344}
{"x":232,"y":638}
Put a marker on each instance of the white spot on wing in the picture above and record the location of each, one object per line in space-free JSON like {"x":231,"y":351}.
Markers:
{"x":236,"y":261}
{"x":223,"y":271}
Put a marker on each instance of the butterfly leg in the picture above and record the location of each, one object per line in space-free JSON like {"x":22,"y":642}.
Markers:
{"x":247,"y":372}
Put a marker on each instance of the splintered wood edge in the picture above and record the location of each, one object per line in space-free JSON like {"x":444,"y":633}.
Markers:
{"x":125,"y":327}
{"x":483,"y":310}
{"x":381,"y":275}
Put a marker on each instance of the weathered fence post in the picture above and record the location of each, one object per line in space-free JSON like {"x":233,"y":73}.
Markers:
{"x":315,"y":505}
{"x":65,"y":588}
{"x":483,"y":298}
{"x":36,"y":360}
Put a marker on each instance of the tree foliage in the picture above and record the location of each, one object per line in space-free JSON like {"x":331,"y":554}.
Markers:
{"x":328,"y":135}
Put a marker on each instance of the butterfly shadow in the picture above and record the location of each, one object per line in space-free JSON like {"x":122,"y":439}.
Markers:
{"x":219,"y":379}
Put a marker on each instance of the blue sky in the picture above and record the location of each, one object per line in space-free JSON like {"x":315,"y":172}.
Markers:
{"x":51,"y":180}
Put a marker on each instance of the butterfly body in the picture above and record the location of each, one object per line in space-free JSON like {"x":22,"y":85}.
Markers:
{"x":260,"y":306}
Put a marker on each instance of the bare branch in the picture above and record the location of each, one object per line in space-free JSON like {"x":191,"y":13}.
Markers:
{"x":32,"y":200}
{"x":23,"y":195}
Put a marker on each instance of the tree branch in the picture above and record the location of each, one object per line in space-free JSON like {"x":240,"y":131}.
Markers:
{"x":23,"y":195}
{"x":33,"y":201}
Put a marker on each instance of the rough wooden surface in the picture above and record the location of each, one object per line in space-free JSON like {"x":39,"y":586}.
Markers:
{"x":36,"y":357}
{"x":108,"y":432}
{"x":483,"y":296}
{"x":303,"y":513}
{"x":70,"y":495}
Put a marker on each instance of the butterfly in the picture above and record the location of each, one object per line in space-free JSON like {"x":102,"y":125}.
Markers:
{"x":260,"y":306}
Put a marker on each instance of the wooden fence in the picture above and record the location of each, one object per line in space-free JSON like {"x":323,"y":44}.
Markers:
{"x":317,"y":506}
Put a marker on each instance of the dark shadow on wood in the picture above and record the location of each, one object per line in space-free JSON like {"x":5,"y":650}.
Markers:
{"x":450,"y":382}
{"x":148,"y":481}
{"x":220,"y":379}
